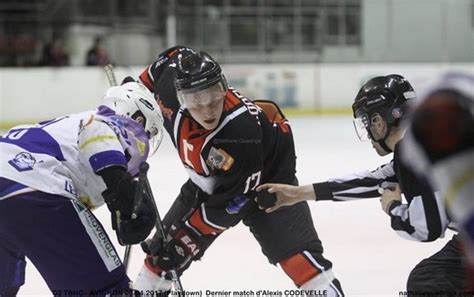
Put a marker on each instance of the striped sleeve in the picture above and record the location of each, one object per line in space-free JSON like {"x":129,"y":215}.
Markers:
{"x":360,"y":185}
{"x":424,"y":219}
{"x":424,"y":216}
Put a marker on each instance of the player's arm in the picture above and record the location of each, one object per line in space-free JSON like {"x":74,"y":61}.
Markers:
{"x":220,"y":211}
{"x":423,"y":218}
{"x":216,"y":213}
{"x":285,"y":195}
{"x":355,"y":186}
{"x":99,"y":146}
{"x":236,"y":189}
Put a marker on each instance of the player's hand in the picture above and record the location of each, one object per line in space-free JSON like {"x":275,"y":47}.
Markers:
{"x":137,"y":229}
{"x":273,"y":196}
{"x":390,"y":196}
{"x":130,"y":230}
{"x":182,"y":246}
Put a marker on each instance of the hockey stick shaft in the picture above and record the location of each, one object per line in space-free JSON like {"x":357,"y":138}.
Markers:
{"x":109,"y":72}
{"x":136,"y":205}
{"x":158,"y":224}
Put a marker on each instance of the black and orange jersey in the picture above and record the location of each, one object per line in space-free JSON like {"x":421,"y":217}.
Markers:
{"x":251,"y":145}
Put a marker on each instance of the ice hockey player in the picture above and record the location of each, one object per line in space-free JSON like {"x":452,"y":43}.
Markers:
{"x":54,"y":173}
{"x":440,"y":144}
{"x":228,"y":145}
{"x":378,"y":109}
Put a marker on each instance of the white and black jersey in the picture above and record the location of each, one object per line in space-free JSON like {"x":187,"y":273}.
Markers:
{"x":422,"y":218}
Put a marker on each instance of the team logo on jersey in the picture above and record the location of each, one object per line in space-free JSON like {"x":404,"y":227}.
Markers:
{"x":23,"y":161}
{"x":236,"y":204}
{"x":219,"y":159}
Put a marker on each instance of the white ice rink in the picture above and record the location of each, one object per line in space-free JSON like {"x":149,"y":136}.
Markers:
{"x":369,"y":258}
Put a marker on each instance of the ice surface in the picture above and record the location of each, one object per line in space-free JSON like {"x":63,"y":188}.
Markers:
{"x":369,"y":258}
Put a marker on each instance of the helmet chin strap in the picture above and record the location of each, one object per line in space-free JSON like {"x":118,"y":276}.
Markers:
{"x":382,"y":142}
{"x":384,"y":146}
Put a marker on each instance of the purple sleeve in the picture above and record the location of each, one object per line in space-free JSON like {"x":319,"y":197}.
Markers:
{"x":106,"y":159}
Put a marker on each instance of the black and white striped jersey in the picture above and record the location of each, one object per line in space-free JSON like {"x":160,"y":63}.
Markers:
{"x":422,"y":218}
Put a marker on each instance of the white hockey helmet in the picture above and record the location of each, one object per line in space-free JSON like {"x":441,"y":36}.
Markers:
{"x":132,"y":99}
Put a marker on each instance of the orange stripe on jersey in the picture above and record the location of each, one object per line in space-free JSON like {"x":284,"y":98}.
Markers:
{"x":274,"y":114}
{"x":299,"y":269}
{"x":198,"y":223}
{"x":146,"y":79}
{"x":191,"y":141}
{"x":284,"y":127}
{"x":230,"y":101}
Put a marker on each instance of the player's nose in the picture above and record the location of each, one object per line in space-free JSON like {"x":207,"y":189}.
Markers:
{"x":209,"y":112}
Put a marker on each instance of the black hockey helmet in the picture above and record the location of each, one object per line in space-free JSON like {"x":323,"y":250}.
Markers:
{"x":196,"y":71}
{"x":385,"y":96}
{"x":199,"y":79}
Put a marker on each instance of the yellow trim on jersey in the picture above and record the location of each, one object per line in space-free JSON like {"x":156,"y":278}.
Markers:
{"x":141,"y":146}
{"x":457,"y":185}
{"x":97,"y":138}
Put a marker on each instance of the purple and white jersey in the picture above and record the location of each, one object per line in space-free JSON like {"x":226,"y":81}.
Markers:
{"x":63,"y":155}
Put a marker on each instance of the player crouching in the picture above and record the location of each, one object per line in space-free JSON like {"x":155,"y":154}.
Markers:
{"x":53,"y":173}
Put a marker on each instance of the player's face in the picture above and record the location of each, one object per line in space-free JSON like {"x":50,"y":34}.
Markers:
{"x":378,"y":127}
{"x":206,"y":106}
{"x":378,"y":130}
{"x":371,"y":127}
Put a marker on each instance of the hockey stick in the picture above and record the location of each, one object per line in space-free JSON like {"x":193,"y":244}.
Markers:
{"x":109,"y":72}
{"x":158,"y":224}
{"x":143,"y":187}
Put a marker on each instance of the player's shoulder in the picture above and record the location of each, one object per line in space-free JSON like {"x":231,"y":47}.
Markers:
{"x":236,"y":100}
{"x":239,"y":121}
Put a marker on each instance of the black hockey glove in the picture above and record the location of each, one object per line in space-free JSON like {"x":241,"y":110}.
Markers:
{"x":182,"y":246}
{"x":120,"y":199}
{"x":130,"y":230}
{"x":134,"y":230}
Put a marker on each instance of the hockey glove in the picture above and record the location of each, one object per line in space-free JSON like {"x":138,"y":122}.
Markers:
{"x":130,"y":230}
{"x":120,"y":199}
{"x":182,"y":246}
